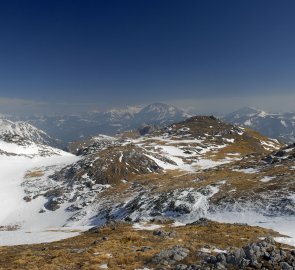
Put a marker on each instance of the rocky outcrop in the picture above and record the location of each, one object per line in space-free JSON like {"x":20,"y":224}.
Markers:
{"x":285,"y":154}
{"x":170,"y":256}
{"x":262,"y":255}
{"x":93,"y":145}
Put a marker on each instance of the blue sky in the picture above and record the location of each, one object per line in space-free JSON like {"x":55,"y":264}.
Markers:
{"x":113,"y":53}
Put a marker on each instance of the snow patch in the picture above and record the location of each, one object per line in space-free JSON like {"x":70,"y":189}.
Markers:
{"x":248,"y":122}
{"x":24,"y":237}
{"x":266,"y":179}
{"x":144,"y":226}
{"x":247,"y":170}
{"x":284,"y":123}
{"x":178,"y":224}
{"x":229,"y":140}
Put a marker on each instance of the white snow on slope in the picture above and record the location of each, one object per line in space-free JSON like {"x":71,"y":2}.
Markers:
{"x":28,"y":149}
{"x":247,"y":170}
{"x":24,"y":130}
{"x":22,"y":237}
{"x":187,"y":154}
{"x":284,"y":123}
{"x":248,"y":122}
{"x":266,"y":179}
{"x":19,"y":149}
{"x":15,"y":211}
{"x":263,"y":114}
{"x":270,"y":145}
{"x":145,"y":226}
{"x":13,"y":170}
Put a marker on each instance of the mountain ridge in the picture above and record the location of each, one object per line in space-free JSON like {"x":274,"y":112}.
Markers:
{"x":70,"y":128}
{"x":275,"y":125}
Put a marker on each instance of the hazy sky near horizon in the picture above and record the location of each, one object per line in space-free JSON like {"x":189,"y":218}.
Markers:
{"x":106,"y":53}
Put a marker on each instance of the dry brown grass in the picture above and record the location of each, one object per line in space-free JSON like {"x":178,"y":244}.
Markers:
{"x":34,"y":174}
{"x":120,"y":250}
{"x":256,"y":134}
{"x":176,"y":179}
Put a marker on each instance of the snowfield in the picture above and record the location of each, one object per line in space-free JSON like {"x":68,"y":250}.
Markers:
{"x":16,"y":213}
{"x":23,"y":237}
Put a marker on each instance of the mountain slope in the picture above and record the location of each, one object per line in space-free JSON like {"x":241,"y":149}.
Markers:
{"x":12,"y":130}
{"x":22,"y":159}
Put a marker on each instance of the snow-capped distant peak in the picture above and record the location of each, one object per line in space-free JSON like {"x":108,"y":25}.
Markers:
{"x":263,"y":114}
{"x":249,"y":111}
{"x":19,"y":130}
{"x":159,"y":107}
{"x":161,"y":111}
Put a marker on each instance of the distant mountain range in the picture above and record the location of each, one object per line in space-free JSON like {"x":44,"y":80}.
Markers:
{"x":280,"y":126}
{"x":69,"y":128}
{"x":75,"y":127}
